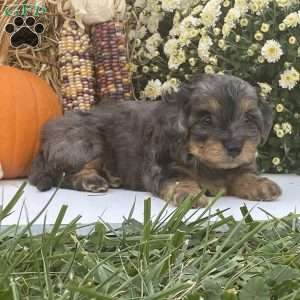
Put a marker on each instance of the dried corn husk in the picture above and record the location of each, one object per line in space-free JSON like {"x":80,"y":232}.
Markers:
{"x":76,"y":68}
{"x":112,"y":68}
{"x":98,"y":11}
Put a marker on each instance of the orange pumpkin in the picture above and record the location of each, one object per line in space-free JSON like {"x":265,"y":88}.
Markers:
{"x":26,"y":103}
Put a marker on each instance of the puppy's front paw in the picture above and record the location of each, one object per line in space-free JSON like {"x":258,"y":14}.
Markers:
{"x":94,"y":184}
{"x":89,"y":181}
{"x":177,"y":191}
{"x":252,"y":187}
{"x":265,"y":189}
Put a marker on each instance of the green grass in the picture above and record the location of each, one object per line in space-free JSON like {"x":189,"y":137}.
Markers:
{"x":170,"y":257}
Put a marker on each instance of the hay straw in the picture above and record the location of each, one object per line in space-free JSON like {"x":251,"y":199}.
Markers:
{"x":4,"y":39}
{"x":41,"y":60}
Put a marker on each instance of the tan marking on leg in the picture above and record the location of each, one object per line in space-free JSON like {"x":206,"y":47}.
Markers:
{"x":102,"y":170}
{"x":114,"y":181}
{"x":96,"y":164}
{"x":176,"y":191}
{"x":89,"y":180}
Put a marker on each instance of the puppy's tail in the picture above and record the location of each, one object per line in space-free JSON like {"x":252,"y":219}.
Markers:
{"x":39,"y":175}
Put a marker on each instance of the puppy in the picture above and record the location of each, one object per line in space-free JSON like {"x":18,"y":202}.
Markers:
{"x":203,"y":136}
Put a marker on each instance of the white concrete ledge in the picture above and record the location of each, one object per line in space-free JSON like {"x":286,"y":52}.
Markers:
{"x":114,"y":205}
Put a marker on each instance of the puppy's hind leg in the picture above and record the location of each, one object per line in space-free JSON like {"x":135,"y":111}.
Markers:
{"x":39,"y":175}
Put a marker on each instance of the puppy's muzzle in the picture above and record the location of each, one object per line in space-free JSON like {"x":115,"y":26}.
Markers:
{"x":233,"y":148}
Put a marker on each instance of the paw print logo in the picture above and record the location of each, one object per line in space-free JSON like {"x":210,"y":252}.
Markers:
{"x":24,"y":31}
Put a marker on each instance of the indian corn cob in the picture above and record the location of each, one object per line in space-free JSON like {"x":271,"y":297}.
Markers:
{"x":112,"y":68}
{"x":76,"y":68}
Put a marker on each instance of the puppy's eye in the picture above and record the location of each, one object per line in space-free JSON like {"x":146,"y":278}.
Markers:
{"x":206,"y":120}
{"x":248,"y":118}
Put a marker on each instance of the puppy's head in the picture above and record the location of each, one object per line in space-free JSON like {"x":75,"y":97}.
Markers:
{"x":223,"y":120}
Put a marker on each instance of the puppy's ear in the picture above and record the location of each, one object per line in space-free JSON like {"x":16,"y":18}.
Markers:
{"x":267,"y":113}
{"x":183,"y":94}
{"x":179,"y":97}
{"x":176,"y":101}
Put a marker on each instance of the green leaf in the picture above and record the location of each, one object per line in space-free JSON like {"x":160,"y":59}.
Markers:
{"x":230,"y":295}
{"x":170,"y":291}
{"x":4,"y":212}
{"x":255,"y":289}
{"x":91,"y":293}
{"x":281,"y":273}
{"x":212,"y":290}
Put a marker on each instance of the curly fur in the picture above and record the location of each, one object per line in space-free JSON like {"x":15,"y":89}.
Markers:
{"x":146,"y":145}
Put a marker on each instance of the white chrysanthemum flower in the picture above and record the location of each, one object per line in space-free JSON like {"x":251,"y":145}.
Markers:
{"x":265,"y":27}
{"x":213,"y":60}
{"x":271,"y":51}
{"x":152,"y":6}
{"x":171,"y":47}
{"x":242,"y":5}
{"x":204,"y":45}
{"x":276,"y":161}
{"x":257,"y":6}
{"x":226,"y":29}
{"x":133,"y":67}
{"x":153,"y":42}
{"x":170,"y":5}
{"x":197,"y":10}
{"x":170,"y":86}
{"x":186,"y":37}
{"x":232,"y":15}
{"x":209,"y":69}
{"x":143,"y":18}
{"x":292,"y":40}
{"x":140,"y":3}
{"x":131,"y":35}
{"x":175,"y":31}
{"x":177,"y":17}
{"x":286,"y":3}
{"x":265,"y":88}
{"x":280,"y":133}
{"x":287,"y":127}
{"x":141,"y":32}
{"x":151,"y":54}
{"x":289,"y":79}
{"x":176,"y":59}
{"x":279,"y":108}
{"x":292,"y":20}
{"x":152,"y":89}
{"x":188,"y":23}
{"x":211,"y":13}
{"x":153,"y":21}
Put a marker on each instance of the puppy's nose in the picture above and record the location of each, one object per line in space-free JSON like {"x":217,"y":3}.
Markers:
{"x":233,"y":148}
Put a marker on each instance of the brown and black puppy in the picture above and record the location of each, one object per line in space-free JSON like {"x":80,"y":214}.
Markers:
{"x":203,"y":136}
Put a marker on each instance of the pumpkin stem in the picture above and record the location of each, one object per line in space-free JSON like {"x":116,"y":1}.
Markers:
{"x":4,"y":41}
